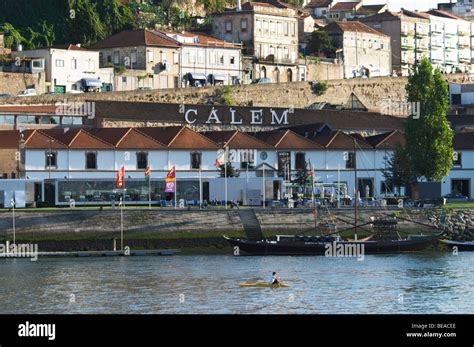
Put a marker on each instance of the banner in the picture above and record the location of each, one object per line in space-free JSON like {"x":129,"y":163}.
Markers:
{"x":147,"y":174}
{"x":171,"y":181}
{"x":120,"y":179}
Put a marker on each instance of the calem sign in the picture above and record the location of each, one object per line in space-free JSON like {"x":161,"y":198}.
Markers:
{"x":256,"y":116}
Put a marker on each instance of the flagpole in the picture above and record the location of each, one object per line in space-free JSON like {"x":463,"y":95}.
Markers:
{"x":263,"y":185}
{"x":225,"y":175}
{"x":312,"y":185}
{"x":200,"y":188}
{"x":338,"y":186}
{"x":149,"y":190}
{"x":175,"y":188}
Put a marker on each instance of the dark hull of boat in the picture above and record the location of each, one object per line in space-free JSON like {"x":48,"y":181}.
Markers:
{"x":461,"y":246}
{"x":320,"y":248}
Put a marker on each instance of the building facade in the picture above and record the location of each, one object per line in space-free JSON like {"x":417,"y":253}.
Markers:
{"x":268,"y":32}
{"x":207,"y":60}
{"x":70,"y":68}
{"x":362,"y":50}
{"x":146,"y":59}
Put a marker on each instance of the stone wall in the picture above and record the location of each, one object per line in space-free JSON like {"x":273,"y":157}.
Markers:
{"x":297,"y":94}
{"x":170,"y":223}
{"x":15,"y":82}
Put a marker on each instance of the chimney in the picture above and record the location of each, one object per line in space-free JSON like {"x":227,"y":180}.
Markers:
{"x":239,"y":5}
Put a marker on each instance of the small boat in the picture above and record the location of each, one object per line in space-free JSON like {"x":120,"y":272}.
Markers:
{"x":461,"y":245}
{"x":263,"y":285}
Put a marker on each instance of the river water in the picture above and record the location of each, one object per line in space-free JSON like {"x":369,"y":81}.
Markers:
{"x":414,"y":283}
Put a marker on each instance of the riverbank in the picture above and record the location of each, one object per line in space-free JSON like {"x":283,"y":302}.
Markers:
{"x":201,"y":231}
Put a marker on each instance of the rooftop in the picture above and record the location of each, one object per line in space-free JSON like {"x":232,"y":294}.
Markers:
{"x":140,"y":37}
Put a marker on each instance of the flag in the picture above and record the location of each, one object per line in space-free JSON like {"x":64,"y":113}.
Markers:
{"x":171,"y":180}
{"x":147,"y":174}
{"x":120,"y":179}
{"x":220,"y":159}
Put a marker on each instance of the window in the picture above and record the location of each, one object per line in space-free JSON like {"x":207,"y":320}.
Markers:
{"x":13,"y":175}
{"x":59,"y":63}
{"x":228,"y":26}
{"x":265,"y":26}
{"x":350,"y":162}
{"x":195,"y":160}
{"x":163,"y":57}
{"x":50,"y":159}
{"x":232,"y":60}
{"x":175,"y":58}
{"x":243,"y":24}
{"x":124,"y":79}
{"x":287,"y":28}
{"x":456,"y":99}
{"x":201,"y":56}
{"x":300,"y":161}
{"x":116,"y":57}
{"x":91,"y":65}
{"x":247,"y":159}
{"x":284,"y":165}
{"x":74,"y":64}
{"x":221,"y":59}
{"x":91,"y":160}
{"x":5,"y":176}
{"x":259,"y":25}
{"x":37,"y":64}
{"x":142,"y":160}
{"x":150,"y":56}
{"x":191,"y":57}
{"x":109,"y":59}
{"x":457,"y":159}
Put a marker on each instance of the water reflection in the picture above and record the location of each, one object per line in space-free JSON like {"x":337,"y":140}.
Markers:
{"x":421,"y":283}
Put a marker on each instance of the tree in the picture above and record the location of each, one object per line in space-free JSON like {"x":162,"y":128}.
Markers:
{"x":302,"y":176}
{"x":429,"y":138}
{"x":12,"y":36}
{"x":319,"y":43}
{"x":231,"y":171}
{"x":399,"y":172}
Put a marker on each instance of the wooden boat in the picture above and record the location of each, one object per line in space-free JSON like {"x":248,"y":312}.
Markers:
{"x":386,"y":240}
{"x":263,"y":285}
{"x":461,"y":245}
{"x":314,"y":245}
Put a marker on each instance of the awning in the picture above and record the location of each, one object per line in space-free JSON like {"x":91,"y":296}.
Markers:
{"x":91,"y":82}
{"x":197,"y":76}
{"x":219,"y":77}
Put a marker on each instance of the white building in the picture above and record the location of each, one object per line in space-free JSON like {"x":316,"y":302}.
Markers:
{"x":207,"y":60}
{"x":71,"y":68}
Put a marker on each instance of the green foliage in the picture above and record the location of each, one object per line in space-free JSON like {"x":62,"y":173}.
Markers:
{"x":428,"y":135}
{"x":302,"y":177}
{"x":399,"y":171}
{"x":319,"y":43}
{"x":227,"y":96}
{"x":48,"y":22}
{"x":231,"y":171}
{"x":319,"y":88}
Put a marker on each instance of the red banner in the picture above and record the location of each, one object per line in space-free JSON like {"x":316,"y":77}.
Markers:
{"x":120,"y":179}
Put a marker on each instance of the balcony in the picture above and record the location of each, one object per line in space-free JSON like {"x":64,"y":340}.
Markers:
{"x":421,"y":34}
{"x":463,"y":45}
{"x":464,"y":33}
{"x":408,"y":32}
{"x":465,"y":59}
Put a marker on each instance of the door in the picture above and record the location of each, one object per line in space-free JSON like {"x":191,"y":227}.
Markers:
{"x":163,"y":82}
{"x":60,"y":89}
{"x":362,"y":186}
{"x":205,"y":191}
{"x":461,"y":186}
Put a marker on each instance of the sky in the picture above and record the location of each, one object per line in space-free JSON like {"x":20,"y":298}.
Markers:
{"x":394,"y":5}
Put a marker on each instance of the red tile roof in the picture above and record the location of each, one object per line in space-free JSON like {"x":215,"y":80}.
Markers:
{"x":130,"y":38}
{"x":352,"y":27}
{"x":200,"y":39}
{"x":189,"y":139}
{"x":319,"y":3}
{"x":388,"y":140}
{"x":287,"y":140}
{"x":341,"y":6}
{"x":236,"y":140}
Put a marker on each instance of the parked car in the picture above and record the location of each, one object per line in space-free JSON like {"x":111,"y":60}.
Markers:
{"x":455,"y":197}
{"x":262,"y":81}
{"x":28,"y":92}
{"x":5,"y":96}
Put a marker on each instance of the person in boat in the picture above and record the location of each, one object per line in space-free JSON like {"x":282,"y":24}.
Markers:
{"x":275,"y":278}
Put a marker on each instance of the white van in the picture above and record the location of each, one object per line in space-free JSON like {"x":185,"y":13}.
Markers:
{"x":28,"y":92}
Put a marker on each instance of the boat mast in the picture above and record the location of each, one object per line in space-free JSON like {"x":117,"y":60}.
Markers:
{"x":356,"y":190}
